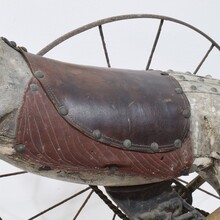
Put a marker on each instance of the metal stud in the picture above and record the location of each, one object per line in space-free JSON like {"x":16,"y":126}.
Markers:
{"x":13,"y":44}
{"x":178,"y":90}
{"x":63,"y":110}
{"x":177,"y":143}
{"x":189,"y":73}
{"x":214,"y":90}
{"x":97,"y":134}
{"x":20,"y":148}
{"x":186,"y":113}
{"x":193,"y":87}
{"x":164,"y":73}
{"x":127,"y":143}
{"x":182,"y":77}
{"x":154,"y":147}
{"x":208,"y":76}
{"x":170,"y":71}
{"x":39,"y":74}
{"x":201,"y":79}
{"x":33,"y":87}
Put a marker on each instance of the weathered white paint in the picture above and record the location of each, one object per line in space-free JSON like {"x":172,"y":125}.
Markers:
{"x":14,"y":78}
{"x":203,"y":94}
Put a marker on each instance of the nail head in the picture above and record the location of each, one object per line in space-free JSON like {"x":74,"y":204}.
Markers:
{"x":39,"y":74}
{"x":97,"y":134}
{"x":20,"y":148}
{"x":127,"y":143}
{"x":154,"y":147}
{"x":63,"y":110}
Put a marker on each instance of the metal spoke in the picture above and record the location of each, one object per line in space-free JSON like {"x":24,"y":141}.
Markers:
{"x":211,"y":194}
{"x":58,"y":204}
{"x":114,"y":217}
{"x":12,"y":174}
{"x":204,"y":58}
{"x":83,"y":205}
{"x":155,"y":44}
{"x":104,"y":45}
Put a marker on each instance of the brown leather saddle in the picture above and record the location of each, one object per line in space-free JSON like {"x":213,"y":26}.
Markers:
{"x":135,"y":110}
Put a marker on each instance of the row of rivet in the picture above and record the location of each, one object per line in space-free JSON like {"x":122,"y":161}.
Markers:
{"x":127,"y":143}
{"x":213,"y":89}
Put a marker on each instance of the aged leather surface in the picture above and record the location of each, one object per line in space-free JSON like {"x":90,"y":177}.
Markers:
{"x":53,"y":143}
{"x":122,"y":105}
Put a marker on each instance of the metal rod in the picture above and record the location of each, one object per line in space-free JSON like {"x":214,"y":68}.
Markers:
{"x":109,"y":203}
{"x":58,"y":204}
{"x":12,"y":174}
{"x":155,"y":44}
{"x":83,"y":205}
{"x":204,"y":58}
{"x":217,"y":197}
{"x":104,"y":45}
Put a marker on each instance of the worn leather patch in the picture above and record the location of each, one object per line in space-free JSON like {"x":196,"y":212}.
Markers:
{"x":143,"y":111}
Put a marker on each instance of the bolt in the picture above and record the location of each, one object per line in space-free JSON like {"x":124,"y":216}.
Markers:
{"x":63,"y":110}
{"x":39,"y":74}
{"x":20,"y":148}
{"x":127,"y":143}
{"x":154,"y":147}
{"x":97,"y":134}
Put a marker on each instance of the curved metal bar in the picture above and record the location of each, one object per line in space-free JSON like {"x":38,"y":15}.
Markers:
{"x":119,"y":18}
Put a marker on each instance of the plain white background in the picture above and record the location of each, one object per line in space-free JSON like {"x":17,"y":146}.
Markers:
{"x":34,"y":24}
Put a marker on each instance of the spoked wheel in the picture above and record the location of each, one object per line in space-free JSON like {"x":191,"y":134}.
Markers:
{"x":148,"y":60}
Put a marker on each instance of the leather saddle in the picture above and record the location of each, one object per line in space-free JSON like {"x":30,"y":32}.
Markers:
{"x":134,"y":110}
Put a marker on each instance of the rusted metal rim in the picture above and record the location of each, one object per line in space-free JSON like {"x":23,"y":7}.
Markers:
{"x":74,"y":32}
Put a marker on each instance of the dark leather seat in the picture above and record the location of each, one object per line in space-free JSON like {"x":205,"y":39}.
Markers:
{"x":134,"y":110}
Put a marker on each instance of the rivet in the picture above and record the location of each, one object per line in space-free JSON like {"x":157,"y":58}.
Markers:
{"x":39,"y":74}
{"x":13,"y":44}
{"x":182,"y":77}
{"x":97,"y":134}
{"x":178,"y":90}
{"x":214,"y":90}
{"x":164,"y":73}
{"x":127,"y":143}
{"x":154,"y":147}
{"x":208,"y":76}
{"x":170,"y":71}
{"x":63,"y":110}
{"x":177,"y":143}
{"x":33,"y":87}
{"x":24,"y":49}
{"x":189,"y":73}
{"x":20,"y":148}
{"x":201,"y":79}
{"x":186,"y":113}
{"x":193,"y":87}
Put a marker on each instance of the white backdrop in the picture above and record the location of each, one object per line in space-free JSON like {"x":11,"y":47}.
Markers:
{"x":33,"y":24}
